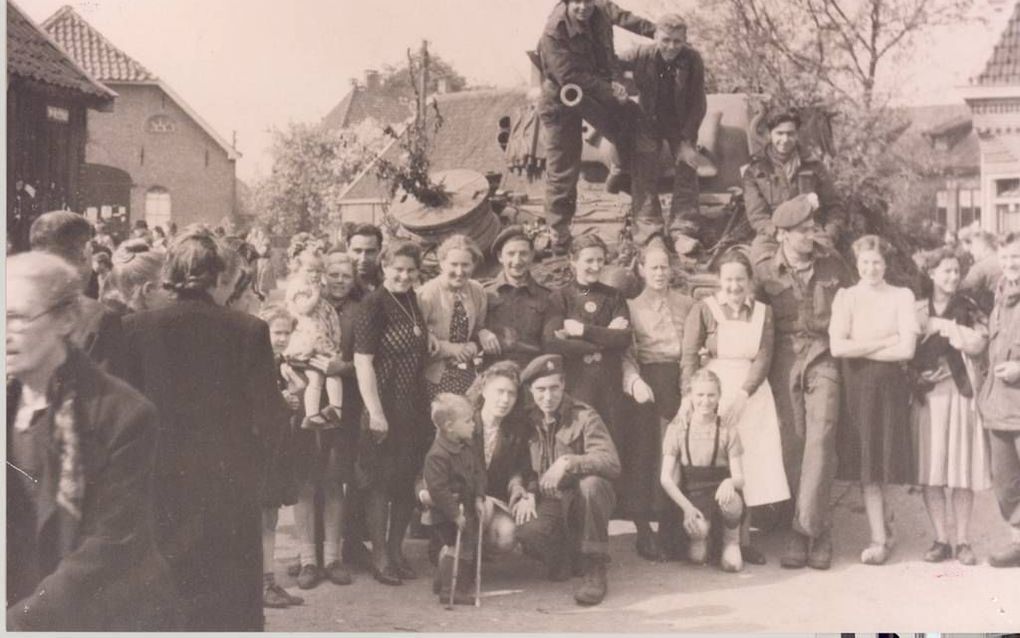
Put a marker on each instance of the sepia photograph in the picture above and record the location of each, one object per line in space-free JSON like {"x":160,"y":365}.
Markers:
{"x":513,"y":316}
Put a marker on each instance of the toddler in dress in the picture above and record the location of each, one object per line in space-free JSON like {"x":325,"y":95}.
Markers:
{"x":312,"y":338}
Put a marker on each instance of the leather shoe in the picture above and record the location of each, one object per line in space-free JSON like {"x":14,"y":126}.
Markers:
{"x":274,"y":597}
{"x":752,"y":556}
{"x":1008,"y":556}
{"x":593,"y":588}
{"x":338,"y":574}
{"x":820,"y":556}
{"x":403,"y":568}
{"x":355,"y":553}
{"x":387,"y":575}
{"x":795,"y":556}
{"x":309,"y":577}
{"x":965,"y":555}
{"x":938,"y":552}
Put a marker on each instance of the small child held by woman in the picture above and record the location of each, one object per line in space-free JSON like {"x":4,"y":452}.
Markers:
{"x":707,"y":486}
{"x":316,"y":335}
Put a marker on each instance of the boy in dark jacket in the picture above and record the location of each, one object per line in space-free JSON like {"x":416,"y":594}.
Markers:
{"x":455,"y":479}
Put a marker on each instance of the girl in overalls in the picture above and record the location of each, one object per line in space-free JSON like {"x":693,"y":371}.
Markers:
{"x":702,"y":471}
{"x":735,"y":334}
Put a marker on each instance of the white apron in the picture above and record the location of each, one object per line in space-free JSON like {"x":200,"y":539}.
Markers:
{"x":758,"y":425}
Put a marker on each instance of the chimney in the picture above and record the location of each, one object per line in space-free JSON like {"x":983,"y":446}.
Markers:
{"x":442,"y":86}
{"x":371,"y":79}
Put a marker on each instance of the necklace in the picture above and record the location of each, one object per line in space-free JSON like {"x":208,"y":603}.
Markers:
{"x":409,"y":314}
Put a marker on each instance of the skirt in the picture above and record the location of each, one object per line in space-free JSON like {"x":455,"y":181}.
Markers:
{"x":874,"y":441}
{"x":952,"y":450}
{"x":640,"y":442}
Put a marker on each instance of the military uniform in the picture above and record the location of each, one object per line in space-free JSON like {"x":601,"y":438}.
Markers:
{"x":767,"y":184}
{"x":673,"y":104}
{"x":805,"y":378}
{"x":576,"y":519}
{"x":517,"y":316}
{"x":581,"y":54}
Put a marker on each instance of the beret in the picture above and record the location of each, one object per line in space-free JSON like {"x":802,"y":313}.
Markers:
{"x":794,"y":211}
{"x":542,"y":366}
{"x":514,"y":231}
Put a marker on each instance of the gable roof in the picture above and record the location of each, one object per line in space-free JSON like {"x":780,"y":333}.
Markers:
{"x":363,"y":103}
{"x":1003,"y":68}
{"x":925,"y":123}
{"x":31,"y":53}
{"x":467,"y":138}
{"x":103,"y":59}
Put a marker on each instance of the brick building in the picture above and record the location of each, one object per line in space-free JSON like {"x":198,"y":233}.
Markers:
{"x":154,"y":157}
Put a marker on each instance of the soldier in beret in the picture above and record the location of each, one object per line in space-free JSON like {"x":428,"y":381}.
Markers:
{"x":800,"y":281}
{"x":780,"y":172}
{"x":518,"y":305}
{"x":575,"y":461}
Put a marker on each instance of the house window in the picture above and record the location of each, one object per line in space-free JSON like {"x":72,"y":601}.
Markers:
{"x":1008,"y":217}
{"x":157,"y":207}
{"x":160,"y":124}
{"x":941,"y":207}
{"x":970,"y":206}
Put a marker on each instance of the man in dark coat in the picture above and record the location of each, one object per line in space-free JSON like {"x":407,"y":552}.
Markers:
{"x":98,"y":330}
{"x":210,"y":372}
{"x":576,"y":47}
{"x":80,"y":446}
{"x":670,"y":79}
{"x":778,"y":174}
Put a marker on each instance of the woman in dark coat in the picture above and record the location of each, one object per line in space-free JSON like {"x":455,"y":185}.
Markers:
{"x":80,"y":550}
{"x":391,"y":344}
{"x":210,"y":372}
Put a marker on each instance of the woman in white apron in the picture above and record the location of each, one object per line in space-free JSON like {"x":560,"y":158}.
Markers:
{"x":732,"y":334}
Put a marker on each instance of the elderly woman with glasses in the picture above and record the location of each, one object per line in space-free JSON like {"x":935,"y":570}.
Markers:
{"x":80,"y":551}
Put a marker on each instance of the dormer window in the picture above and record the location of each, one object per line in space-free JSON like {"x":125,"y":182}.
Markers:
{"x":160,"y":124}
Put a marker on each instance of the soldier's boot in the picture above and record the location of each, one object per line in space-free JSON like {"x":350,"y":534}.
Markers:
{"x":593,"y":587}
{"x":731,"y":559}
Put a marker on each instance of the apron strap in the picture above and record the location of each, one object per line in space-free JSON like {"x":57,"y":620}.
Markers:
{"x":713,"y":306}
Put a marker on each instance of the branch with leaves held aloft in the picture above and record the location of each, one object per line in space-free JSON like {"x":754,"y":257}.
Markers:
{"x":411,"y":173}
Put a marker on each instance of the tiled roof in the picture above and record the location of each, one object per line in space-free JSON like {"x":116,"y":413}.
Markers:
{"x":33,"y":54}
{"x":362,"y":103}
{"x":1003,"y":67}
{"x":924,"y":124}
{"x":467,"y":138}
{"x":92,"y":50}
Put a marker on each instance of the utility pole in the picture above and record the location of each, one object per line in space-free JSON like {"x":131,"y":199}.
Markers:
{"x":423,"y":87}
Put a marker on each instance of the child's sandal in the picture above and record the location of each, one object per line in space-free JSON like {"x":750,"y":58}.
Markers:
{"x":313,"y":422}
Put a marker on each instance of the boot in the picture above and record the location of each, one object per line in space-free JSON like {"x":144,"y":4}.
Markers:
{"x":273,"y":596}
{"x":795,"y":556}
{"x":444,"y":579}
{"x":820,"y":556}
{"x":594,"y":586}
{"x":731,"y":559}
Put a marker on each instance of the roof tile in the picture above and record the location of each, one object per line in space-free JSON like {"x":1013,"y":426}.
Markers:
{"x":92,"y":50}
{"x":1003,"y":68}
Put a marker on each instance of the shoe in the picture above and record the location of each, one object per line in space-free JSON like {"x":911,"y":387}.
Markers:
{"x":876,"y":553}
{"x":1008,"y":556}
{"x":752,"y":556}
{"x":403,"y":568}
{"x":820,"y":555}
{"x":938,"y":552}
{"x":274,"y":597}
{"x":355,"y":554}
{"x":309,"y":577}
{"x":593,"y":588}
{"x":332,"y":414}
{"x":314,"y":422}
{"x":387,"y":575}
{"x":795,"y":556}
{"x":647,"y":547}
{"x":338,"y":574}
{"x":965,"y":555}
{"x":294,"y":570}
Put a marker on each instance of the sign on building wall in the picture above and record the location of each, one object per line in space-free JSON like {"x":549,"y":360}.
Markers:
{"x":58,"y":114}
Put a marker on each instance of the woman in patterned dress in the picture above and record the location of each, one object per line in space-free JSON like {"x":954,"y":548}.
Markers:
{"x":454,"y":306}
{"x":391,"y":346}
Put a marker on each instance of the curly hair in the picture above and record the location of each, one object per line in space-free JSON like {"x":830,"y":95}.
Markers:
{"x":459,"y":242}
{"x":505,"y":369}
{"x":274,"y":312}
{"x":881,"y":245}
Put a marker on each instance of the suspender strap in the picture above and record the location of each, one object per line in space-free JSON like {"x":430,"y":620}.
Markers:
{"x":715,"y":445}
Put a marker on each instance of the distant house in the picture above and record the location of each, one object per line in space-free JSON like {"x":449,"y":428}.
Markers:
{"x":941,"y":143}
{"x":367,"y":101}
{"x":994,"y":100}
{"x":154,"y":157}
{"x":48,"y":99}
{"x":468,"y":138}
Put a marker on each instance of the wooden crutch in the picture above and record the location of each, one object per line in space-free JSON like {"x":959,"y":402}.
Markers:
{"x":478,"y":563}
{"x":456,"y":562}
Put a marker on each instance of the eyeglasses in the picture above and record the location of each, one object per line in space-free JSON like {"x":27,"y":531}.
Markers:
{"x":16,"y":321}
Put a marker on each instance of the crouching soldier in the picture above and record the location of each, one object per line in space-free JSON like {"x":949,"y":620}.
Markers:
{"x":576,"y":47}
{"x":670,"y":79}
{"x":781,"y":172}
{"x":455,"y":479}
{"x":575,"y":460}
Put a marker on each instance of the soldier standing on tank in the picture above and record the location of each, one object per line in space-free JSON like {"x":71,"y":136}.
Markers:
{"x":670,"y":79}
{"x":576,"y":47}
{"x":781,"y":172}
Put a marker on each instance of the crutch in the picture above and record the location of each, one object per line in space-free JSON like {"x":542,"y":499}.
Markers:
{"x":456,"y":562}
{"x":478,"y":564}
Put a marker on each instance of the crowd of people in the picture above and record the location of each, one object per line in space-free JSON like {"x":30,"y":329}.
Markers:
{"x":167,"y":394}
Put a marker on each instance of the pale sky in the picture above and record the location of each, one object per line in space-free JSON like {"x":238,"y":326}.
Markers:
{"x":250,"y":65}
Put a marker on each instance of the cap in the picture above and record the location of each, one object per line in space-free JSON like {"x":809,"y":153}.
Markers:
{"x":510,"y":232}
{"x":542,"y":366}
{"x":794,"y":211}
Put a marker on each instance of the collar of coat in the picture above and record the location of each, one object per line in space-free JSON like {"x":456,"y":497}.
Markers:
{"x":532,"y":286}
{"x":563,"y":415}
